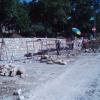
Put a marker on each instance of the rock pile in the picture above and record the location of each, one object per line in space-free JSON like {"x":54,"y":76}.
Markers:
{"x":11,"y":70}
{"x":19,"y":95}
{"x":49,"y":60}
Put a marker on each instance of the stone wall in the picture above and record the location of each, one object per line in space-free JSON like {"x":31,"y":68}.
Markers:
{"x":15,"y":48}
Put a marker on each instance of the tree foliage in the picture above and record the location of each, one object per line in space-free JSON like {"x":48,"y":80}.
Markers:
{"x":22,"y":18}
{"x":47,"y":17}
{"x":82,"y":13}
{"x":14,"y":15}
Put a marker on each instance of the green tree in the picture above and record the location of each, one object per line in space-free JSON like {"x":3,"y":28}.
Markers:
{"x":59,"y":10}
{"x":7,"y":9}
{"x":81,"y":16}
{"x":22,"y":18}
{"x":98,"y":23}
{"x":14,"y":14}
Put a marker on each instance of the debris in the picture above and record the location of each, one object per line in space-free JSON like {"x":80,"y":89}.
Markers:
{"x":28,"y":55}
{"x":18,"y":71}
{"x":19,"y":91}
{"x":44,"y":58}
{"x":10,"y":70}
{"x":50,"y":62}
{"x":19,"y":95}
{"x":61,"y":62}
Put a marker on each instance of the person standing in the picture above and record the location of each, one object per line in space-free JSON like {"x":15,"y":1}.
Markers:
{"x":94,"y":32}
{"x":58,"y":46}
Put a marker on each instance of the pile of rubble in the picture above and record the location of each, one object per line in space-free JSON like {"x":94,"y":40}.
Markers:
{"x":11,"y":70}
{"x":19,"y":95}
{"x":50,"y":60}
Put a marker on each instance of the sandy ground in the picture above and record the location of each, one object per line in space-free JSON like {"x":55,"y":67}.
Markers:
{"x":38,"y":75}
{"x":78,"y":80}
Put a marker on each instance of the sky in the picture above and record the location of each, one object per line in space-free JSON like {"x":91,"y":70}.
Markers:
{"x":26,"y":0}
